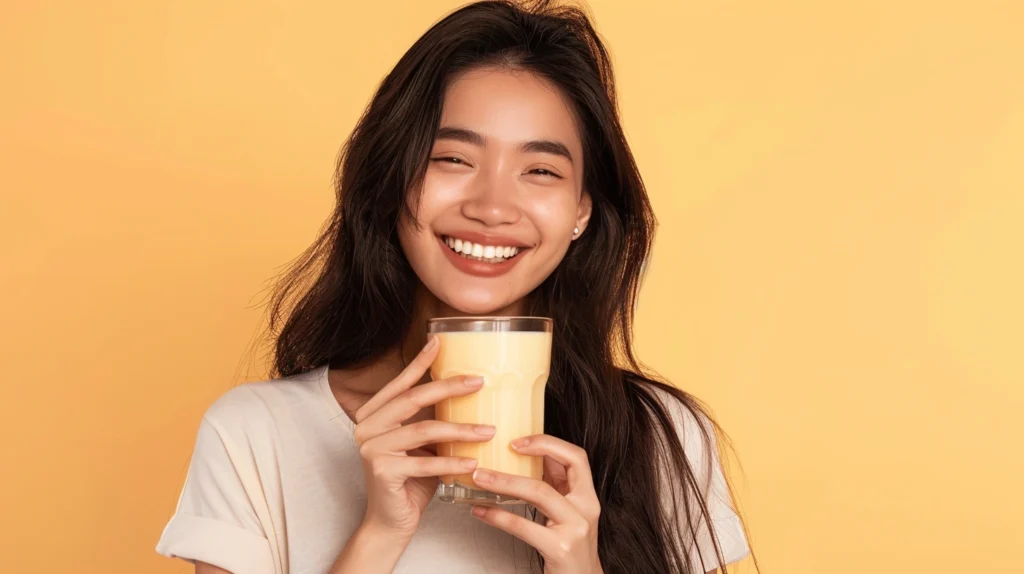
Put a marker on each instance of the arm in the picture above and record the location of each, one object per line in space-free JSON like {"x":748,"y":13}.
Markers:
{"x":204,"y":568}
{"x":399,"y":486}
{"x":370,"y":550}
{"x":697,"y":434}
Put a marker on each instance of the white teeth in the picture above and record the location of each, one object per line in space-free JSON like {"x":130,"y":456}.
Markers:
{"x":477,"y":252}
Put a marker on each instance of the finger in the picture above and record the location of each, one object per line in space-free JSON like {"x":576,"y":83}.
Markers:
{"x":411,"y":437}
{"x":526,"y":530}
{"x":415,"y":399}
{"x":409,"y":376}
{"x":572,"y":457}
{"x":422,"y":466}
{"x":555,"y":474}
{"x":536,"y":492}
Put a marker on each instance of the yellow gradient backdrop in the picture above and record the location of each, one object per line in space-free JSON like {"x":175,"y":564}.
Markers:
{"x":838,"y":270}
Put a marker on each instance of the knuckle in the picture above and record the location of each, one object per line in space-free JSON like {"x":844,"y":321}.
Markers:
{"x":378,"y":468}
{"x":359,"y":434}
{"x":427,"y":430}
{"x":435,"y":426}
{"x":563,"y":551}
{"x":581,"y":531}
{"x":542,"y":489}
{"x":418,"y":396}
{"x":421,"y":429}
{"x":365,"y":451}
{"x":411,"y":395}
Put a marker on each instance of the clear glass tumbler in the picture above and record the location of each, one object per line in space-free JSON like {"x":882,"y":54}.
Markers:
{"x":513,"y":355}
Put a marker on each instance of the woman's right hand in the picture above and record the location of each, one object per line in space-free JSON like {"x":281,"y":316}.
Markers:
{"x":401,"y":475}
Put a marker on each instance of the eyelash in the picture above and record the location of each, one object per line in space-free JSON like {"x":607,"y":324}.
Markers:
{"x":457,"y":161}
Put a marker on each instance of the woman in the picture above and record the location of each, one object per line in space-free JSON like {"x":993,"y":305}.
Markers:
{"x":498,"y":128}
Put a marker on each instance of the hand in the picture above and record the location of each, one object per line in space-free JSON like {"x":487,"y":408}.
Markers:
{"x":566,"y":496}
{"x":401,"y":476}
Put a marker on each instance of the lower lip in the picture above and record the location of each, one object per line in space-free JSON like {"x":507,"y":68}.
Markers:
{"x":478,"y":268}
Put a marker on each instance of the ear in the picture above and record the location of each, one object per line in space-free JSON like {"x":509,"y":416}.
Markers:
{"x":583,"y":212}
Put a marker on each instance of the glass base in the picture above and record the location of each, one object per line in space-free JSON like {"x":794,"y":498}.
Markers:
{"x":458,"y":494}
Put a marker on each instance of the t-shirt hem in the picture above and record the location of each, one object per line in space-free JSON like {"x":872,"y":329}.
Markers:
{"x":196,"y":538}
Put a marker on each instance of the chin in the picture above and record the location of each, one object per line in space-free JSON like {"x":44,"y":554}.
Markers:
{"x":476,"y":303}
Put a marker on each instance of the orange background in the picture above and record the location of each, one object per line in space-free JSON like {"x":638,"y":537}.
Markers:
{"x":838,"y":269}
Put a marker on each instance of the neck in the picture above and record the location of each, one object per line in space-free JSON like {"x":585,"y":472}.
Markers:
{"x":428,"y":307}
{"x":356,"y":385}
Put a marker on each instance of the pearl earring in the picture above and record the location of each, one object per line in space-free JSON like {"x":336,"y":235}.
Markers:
{"x":575,"y":231}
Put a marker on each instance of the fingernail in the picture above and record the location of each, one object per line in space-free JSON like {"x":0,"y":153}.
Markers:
{"x":486,"y":430}
{"x":482,"y":476}
{"x":479,"y":511}
{"x":431,"y":343}
{"x":469,"y":463}
{"x":520,"y":442}
{"x":474,"y":381}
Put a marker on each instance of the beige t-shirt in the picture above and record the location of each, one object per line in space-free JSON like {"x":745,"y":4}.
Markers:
{"x":276,"y":486}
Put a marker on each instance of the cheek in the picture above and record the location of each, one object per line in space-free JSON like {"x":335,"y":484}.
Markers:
{"x":440,"y":190}
{"x":413,"y":241}
{"x":425,"y":204}
{"x":555,"y":218}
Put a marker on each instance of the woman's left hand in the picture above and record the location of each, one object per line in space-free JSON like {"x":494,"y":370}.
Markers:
{"x":566,"y":496}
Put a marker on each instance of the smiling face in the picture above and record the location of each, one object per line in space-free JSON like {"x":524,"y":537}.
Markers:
{"x":502,"y":194}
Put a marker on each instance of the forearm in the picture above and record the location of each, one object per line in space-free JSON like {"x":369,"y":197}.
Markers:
{"x":370,"y":551}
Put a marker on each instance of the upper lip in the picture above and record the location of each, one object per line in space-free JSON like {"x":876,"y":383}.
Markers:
{"x":486,"y":239}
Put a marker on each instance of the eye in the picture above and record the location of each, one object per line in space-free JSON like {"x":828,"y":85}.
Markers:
{"x":451,"y":160}
{"x":544,"y":172}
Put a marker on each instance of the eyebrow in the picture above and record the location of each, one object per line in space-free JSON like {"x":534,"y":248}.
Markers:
{"x":534,"y":146}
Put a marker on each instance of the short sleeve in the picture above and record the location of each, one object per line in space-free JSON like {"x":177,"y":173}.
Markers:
{"x":698,"y":442}
{"x":215,"y":521}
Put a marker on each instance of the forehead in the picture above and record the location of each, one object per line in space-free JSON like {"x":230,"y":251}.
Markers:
{"x":510,"y":106}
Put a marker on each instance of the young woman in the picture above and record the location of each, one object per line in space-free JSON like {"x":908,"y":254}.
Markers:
{"x":499,"y":128}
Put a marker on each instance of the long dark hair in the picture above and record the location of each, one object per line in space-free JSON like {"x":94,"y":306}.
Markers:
{"x":349,"y":298}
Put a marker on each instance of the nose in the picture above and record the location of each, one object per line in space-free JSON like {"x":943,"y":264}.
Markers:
{"x":492,"y":201}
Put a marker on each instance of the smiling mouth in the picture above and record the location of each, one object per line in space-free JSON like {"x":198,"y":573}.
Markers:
{"x":480,"y":252}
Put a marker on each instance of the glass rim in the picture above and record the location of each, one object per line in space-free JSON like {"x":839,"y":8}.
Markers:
{"x":489,"y":325}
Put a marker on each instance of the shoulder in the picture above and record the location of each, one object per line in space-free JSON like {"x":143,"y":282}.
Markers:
{"x":689,"y":418}
{"x":228,"y":512}
{"x":685,"y":421}
{"x":243,"y":433}
{"x":713,"y":533}
{"x":257,"y":406}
